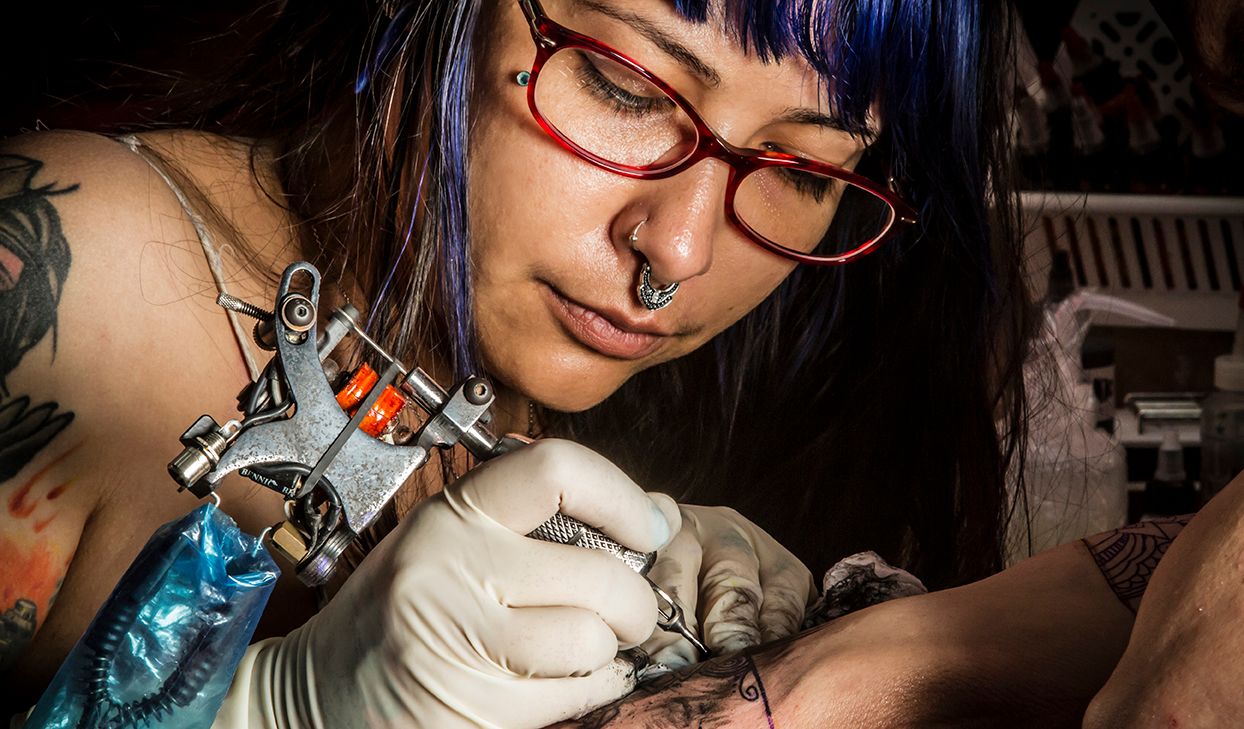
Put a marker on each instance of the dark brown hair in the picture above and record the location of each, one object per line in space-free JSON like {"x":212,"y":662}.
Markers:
{"x":873,"y":406}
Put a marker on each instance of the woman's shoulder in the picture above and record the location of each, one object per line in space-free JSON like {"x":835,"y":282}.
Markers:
{"x":111,"y":344}
{"x":95,"y":186}
{"x":112,"y":199}
{"x":106,"y":279}
{"x":132,"y":182}
{"x":107,"y":236}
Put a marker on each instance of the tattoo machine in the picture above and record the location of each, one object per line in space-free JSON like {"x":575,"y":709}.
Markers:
{"x":338,"y":456}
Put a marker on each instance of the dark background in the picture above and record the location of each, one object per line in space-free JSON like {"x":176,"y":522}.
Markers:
{"x":60,"y":57}
{"x":81,"y":67}
{"x":87,"y":67}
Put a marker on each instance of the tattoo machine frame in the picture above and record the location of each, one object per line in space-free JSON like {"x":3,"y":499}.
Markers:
{"x":295,"y":437}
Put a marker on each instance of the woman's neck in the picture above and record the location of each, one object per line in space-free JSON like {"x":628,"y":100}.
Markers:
{"x":513,"y":412}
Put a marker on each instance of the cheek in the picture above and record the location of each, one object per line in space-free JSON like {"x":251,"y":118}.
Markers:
{"x":742,"y":277}
{"x":528,"y":198}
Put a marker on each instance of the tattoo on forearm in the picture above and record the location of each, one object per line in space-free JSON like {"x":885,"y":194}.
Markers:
{"x":1127,"y":557}
{"x":703,"y":695}
{"x":34,"y":263}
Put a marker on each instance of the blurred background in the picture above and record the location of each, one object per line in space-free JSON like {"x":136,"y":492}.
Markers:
{"x":1133,"y":200}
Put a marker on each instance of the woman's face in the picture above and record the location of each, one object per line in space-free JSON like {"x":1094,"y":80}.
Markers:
{"x":555,"y":272}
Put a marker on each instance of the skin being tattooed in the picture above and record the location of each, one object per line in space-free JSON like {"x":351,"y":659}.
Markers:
{"x":695,"y":696}
{"x":725,"y":691}
{"x":34,"y":263}
{"x":1127,"y":557}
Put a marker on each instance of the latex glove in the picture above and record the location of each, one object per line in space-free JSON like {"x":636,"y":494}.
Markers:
{"x":457,"y":619}
{"x":738,"y":586}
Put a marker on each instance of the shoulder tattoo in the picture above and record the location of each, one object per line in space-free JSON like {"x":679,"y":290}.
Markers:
{"x":34,"y":263}
{"x":1128,"y":556}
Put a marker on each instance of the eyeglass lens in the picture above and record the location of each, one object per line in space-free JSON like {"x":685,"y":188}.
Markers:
{"x":614,"y":114}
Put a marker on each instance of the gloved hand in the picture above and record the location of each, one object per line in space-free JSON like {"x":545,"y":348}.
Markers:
{"x":738,"y":586}
{"x":457,"y":619}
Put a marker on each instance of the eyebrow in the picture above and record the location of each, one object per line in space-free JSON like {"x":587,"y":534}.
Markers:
{"x":659,"y":38}
{"x":685,"y":57}
{"x":817,"y":118}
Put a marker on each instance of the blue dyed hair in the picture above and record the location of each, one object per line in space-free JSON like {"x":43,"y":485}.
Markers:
{"x":800,"y":414}
{"x":901,"y":59}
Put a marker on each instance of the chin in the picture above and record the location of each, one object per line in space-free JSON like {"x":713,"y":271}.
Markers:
{"x":569,"y":384}
{"x":574,"y":392}
{"x":562,"y":401}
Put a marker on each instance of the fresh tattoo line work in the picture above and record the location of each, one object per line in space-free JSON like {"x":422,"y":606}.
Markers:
{"x":703,"y":695}
{"x":1127,"y":557}
{"x":34,"y":264}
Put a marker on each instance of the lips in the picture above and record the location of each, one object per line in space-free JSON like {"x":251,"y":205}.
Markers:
{"x":599,"y":332}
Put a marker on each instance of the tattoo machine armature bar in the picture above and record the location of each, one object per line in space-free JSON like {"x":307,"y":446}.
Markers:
{"x":339,"y":456}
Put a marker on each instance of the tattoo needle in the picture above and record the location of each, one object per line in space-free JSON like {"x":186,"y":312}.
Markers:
{"x":672,"y":619}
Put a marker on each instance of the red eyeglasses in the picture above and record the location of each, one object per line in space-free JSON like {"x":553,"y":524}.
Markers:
{"x":611,"y":111}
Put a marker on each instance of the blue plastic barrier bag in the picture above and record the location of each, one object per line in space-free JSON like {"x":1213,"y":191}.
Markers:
{"x":162,"y":650}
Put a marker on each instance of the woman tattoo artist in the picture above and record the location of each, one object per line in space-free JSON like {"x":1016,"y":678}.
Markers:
{"x":631,"y":280}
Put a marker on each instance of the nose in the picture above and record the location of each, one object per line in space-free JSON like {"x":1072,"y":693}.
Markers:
{"x":684,"y":215}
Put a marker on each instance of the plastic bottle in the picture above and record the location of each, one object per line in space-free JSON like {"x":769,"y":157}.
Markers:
{"x":1222,"y":418}
{"x":1097,"y":359}
{"x":1170,"y":493}
{"x":1075,"y":474}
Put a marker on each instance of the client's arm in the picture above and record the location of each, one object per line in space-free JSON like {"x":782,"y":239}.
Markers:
{"x":1027,"y":647}
{"x":1183,"y":664}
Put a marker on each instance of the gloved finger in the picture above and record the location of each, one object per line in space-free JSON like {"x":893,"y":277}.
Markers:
{"x":579,"y":695}
{"x":677,"y":571}
{"x":553,"y":642}
{"x":522,"y":489}
{"x":549,"y":574}
{"x":788,"y":587}
{"x":730,"y":590}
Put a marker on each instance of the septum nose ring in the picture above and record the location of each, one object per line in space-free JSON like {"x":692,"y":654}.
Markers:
{"x":651,"y":297}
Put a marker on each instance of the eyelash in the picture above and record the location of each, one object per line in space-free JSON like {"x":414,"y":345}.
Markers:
{"x":622,"y":101}
{"x":813,"y":186}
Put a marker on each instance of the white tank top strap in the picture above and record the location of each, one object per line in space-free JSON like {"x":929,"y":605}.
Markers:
{"x":209,"y":247}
